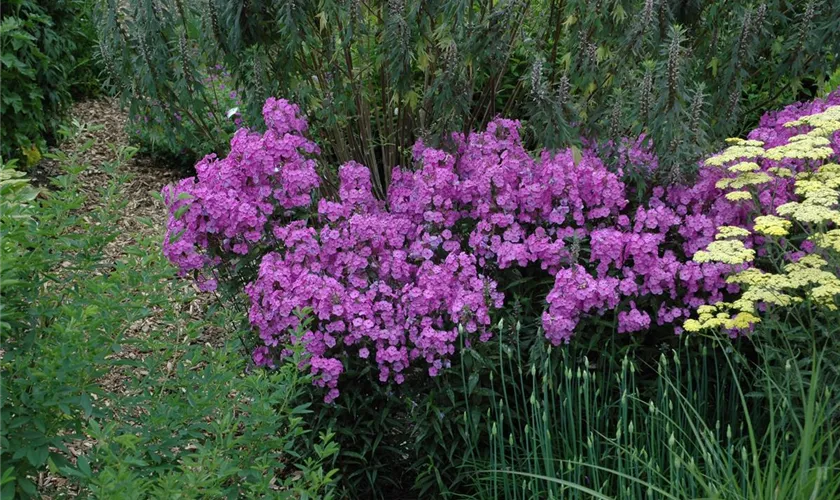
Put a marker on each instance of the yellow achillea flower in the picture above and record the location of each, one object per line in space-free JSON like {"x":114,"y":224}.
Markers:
{"x":725,"y":251}
{"x":828,"y":175}
{"x":753,"y":277}
{"x":825,"y":123}
{"x":721,"y":319}
{"x":692,"y":325}
{"x":809,"y":261}
{"x":822,"y":196}
{"x":738,"y":196}
{"x":780,"y":172}
{"x":761,"y":287}
{"x":743,"y":180}
{"x":825,"y":295}
{"x":770,"y":225}
{"x":767,"y":295}
{"x":828,"y":240}
{"x":744,"y":166}
{"x":737,"y":141}
{"x":706,"y":309}
{"x":809,"y":213}
{"x":742,"y":151}
{"x":801,"y":147}
{"x":742,"y":320}
{"x":807,"y":183}
{"x":727,"y":232}
{"x":829,"y":168}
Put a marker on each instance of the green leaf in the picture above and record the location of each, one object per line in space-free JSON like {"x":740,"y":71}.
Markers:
{"x":8,"y":491}
{"x":180,"y":212}
{"x":84,"y":465}
{"x":8,"y":476}
{"x":27,"y":486}
{"x":37,"y":456}
{"x":85,"y":403}
{"x":473,"y":381}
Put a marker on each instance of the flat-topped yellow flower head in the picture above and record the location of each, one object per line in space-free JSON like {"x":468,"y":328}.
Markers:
{"x":744,"y":166}
{"x":738,"y":152}
{"x":726,"y":252}
{"x":824,"y":123}
{"x":770,"y":225}
{"x":729,"y":232}
{"x":829,"y":240}
{"x":739,"y":196}
{"x":802,"y":147}
{"x":781,"y":172}
{"x":743,"y":180}
{"x":809,"y":213}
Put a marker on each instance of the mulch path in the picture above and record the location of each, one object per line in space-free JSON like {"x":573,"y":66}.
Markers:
{"x":147,"y":176}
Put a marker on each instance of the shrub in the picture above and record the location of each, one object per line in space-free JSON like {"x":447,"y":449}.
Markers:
{"x":17,"y":197}
{"x":400,"y":283}
{"x":53,"y":332}
{"x":181,"y":102}
{"x":375,"y":76}
{"x":172,"y":134}
{"x":47,"y":61}
{"x":232,"y":435}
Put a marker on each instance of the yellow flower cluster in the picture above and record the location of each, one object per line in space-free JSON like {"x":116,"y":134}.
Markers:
{"x":725,"y":251}
{"x":739,"y":196}
{"x":813,"y":277}
{"x":801,"y":147}
{"x":727,"y":232}
{"x":780,"y":172}
{"x":743,"y":180}
{"x":824,"y":124}
{"x":808,"y":277}
{"x":828,"y":240}
{"x":713,"y":319}
{"x":737,"y":152}
{"x":744,"y":166}
{"x":770,"y":225}
{"x":820,"y":191}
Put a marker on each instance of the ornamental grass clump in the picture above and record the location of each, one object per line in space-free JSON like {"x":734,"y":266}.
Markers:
{"x":794,"y":237}
{"x":396,"y":282}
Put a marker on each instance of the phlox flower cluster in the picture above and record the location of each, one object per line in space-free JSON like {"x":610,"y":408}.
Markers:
{"x":224,"y":209}
{"x":398,"y":281}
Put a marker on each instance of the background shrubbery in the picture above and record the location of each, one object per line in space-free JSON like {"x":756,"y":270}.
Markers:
{"x":374,"y":76}
{"x":48,"y":60}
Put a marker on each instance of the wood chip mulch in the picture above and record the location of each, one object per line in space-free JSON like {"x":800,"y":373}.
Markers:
{"x":142,"y":217}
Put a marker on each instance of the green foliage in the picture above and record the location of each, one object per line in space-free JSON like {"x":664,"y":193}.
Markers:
{"x":56,"y":323}
{"x":47,"y":61}
{"x":17,"y":198}
{"x":830,"y":83}
{"x":516,"y":418}
{"x":714,"y":425}
{"x":155,"y":56}
{"x":97,"y":348}
{"x":375,"y":76}
{"x":188,"y":445}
